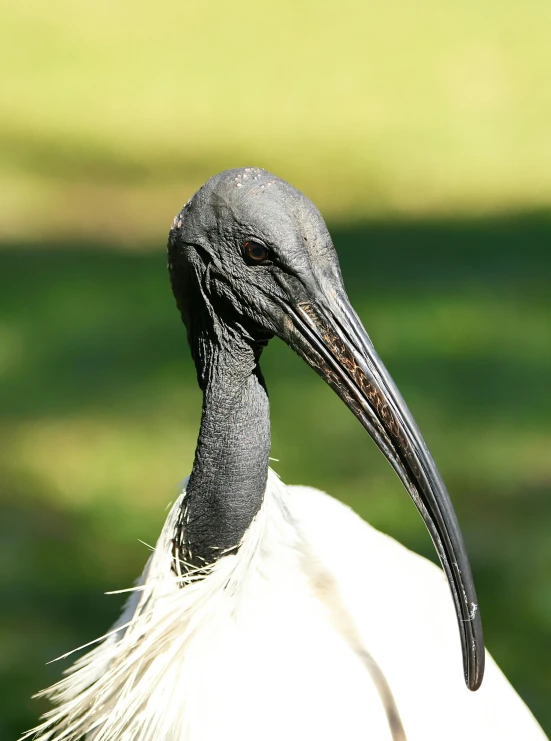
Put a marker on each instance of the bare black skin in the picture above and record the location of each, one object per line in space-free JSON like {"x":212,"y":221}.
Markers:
{"x":250,"y":258}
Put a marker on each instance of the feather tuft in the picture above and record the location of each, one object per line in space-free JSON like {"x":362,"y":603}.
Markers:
{"x":128,"y":687}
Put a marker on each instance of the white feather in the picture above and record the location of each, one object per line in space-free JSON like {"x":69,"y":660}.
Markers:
{"x":295,"y":637}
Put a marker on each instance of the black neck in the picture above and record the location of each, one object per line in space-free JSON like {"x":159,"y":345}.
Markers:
{"x":228,"y":479}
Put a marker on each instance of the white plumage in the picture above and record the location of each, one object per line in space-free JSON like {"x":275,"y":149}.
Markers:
{"x":273,"y":642}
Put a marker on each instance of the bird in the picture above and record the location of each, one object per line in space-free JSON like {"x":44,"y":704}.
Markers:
{"x":268,"y":611}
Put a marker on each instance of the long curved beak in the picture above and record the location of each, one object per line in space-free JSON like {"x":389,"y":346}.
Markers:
{"x":334,"y":342}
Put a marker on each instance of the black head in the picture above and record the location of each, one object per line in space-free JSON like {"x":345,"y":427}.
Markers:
{"x":247,"y":247}
{"x":250,"y":257}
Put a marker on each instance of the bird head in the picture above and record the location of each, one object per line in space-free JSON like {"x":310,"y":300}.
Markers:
{"x":247,"y":247}
{"x":251,"y":253}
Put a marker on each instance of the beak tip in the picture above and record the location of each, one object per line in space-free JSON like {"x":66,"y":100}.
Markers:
{"x":474,"y":682}
{"x":474,"y":660}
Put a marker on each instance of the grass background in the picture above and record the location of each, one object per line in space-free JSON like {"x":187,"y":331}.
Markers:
{"x":422,"y":132}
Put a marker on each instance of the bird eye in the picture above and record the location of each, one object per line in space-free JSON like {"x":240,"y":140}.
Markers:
{"x":255,"y":252}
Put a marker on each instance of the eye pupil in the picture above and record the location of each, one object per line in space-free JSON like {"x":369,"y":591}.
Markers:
{"x":255,"y":252}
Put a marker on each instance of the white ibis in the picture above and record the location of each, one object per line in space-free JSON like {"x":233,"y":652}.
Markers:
{"x":270,"y":612}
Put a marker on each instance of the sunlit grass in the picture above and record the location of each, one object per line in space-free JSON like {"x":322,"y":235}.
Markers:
{"x":111,"y":115}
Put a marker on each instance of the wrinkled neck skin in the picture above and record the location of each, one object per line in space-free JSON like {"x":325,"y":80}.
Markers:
{"x":228,"y":479}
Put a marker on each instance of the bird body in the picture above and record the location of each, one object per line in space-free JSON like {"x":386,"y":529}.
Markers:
{"x":268,"y":612}
{"x":288,"y":638}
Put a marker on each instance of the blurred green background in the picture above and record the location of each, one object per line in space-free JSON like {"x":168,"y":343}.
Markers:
{"x":421,"y":130}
